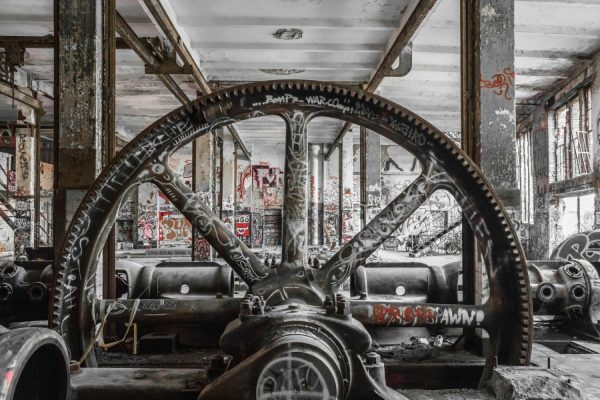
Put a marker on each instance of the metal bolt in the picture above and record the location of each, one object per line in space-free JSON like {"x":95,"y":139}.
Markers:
{"x":373,"y":358}
{"x":343,"y":307}
{"x":246,"y":307}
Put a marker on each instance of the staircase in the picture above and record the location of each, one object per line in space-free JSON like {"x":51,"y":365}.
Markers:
{"x":7,"y":211}
{"x":441,"y":225}
{"x":421,"y":248}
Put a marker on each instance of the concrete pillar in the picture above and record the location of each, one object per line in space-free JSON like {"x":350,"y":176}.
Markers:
{"x":219,"y":175}
{"x":497,"y":102}
{"x":228,"y":181}
{"x":348,"y":226}
{"x":314,"y":170}
{"x":331,"y":199}
{"x":24,"y":180}
{"x":203,"y":161}
{"x":540,"y":231}
{"x":78,"y":81}
{"x":370,"y":175}
{"x":595,"y":126}
{"x":488,"y":119}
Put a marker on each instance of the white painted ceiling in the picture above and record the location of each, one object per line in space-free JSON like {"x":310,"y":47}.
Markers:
{"x":342,"y":40}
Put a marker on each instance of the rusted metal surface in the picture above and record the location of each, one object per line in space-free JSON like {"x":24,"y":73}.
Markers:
{"x":401,"y":41}
{"x":569,"y":290}
{"x":160,"y":15}
{"x":444,"y":166}
{"x":42,"y":42}
{"x":21,"y":97}
{"x":137,"y":44}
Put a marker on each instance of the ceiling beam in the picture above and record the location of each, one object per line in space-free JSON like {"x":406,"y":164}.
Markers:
{"x":137,"y":45}
{"x":290,"y":65}
{"x":15,"y":93}
{"x":373,"y":24}
{"x":544,"y":54}
{"x":289,"y":45}
{"x":402,"y":39}
{"x":530,"y":28}
{"x":42,"y":42}
{"x":159,"y":15}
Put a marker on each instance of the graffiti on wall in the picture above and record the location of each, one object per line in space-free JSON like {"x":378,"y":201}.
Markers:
{"x":173,"y":227}
{"x":147,"y":213}
{"x":256,"y":229}
{"x":268,"y":181}
{"x":501,"y":83}
{"x":242,"y":227}
{"x":582,"y":245}
{"x":272,"y":228}
{"x":146,"y":228}
{"x":202,"y":250}
{"x":23,"y":162}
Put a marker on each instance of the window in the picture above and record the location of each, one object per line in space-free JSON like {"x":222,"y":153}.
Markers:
{"x":570,"y":141}
{"x":525,"y":175}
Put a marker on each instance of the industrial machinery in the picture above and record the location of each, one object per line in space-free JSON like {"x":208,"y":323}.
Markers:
{"x":294,"y":333}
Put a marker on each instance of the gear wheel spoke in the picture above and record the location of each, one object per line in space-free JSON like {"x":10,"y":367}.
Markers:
{"x":209,"y":225}
{"x":355,"y":252}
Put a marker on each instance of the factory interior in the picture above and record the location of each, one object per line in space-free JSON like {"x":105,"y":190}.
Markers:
{"x":299,"y":199}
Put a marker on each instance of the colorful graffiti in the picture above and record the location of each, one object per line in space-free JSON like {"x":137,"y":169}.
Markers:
{"x":146,"y":228}
{"x":173,"y":227}
{"x":242,"y":227}
{"x":202,"y":250}
{"x":391,"y":314}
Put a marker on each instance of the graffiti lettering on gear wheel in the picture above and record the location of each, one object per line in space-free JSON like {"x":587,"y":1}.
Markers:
{"x":508,"y":275}
{"x":208,"y":224}
{"x":99,"y":201}
{"x":293,"y":377}
{"x":356,"y":251}
{"x":348,"y":106}
{"x":582,"y":245}
{"x":295,"y":189}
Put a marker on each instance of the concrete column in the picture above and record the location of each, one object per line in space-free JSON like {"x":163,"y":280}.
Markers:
{"x":497,"y":102}
{"x":203,"y":160}
{"x":228,"y":181}
{"x":595,"y":126}
{"x":331,"y":199}
{"x":314,"y":170}
{"x":370,"y":175}
{"x":488,"y":119}
{"x":347,"y":175}
{"x":540,"y":231}
{"x":24,"y":181}
{"x":78,"y":80}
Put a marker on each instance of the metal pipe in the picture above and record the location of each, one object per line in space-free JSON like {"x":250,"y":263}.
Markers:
{"x":205,"y":311}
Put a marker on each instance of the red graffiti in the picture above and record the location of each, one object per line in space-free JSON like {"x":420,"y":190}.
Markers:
{"x":265,"y":176}
{"x":384,"y":314}
{"x":242,"y":226}
{"x":241,"y":189}
{"x":500,"y":82}
{"x":146,"y":228}
{"x":202,"y":249}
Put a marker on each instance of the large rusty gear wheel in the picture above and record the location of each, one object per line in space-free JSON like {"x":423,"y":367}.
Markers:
{"x":506,"y":315}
